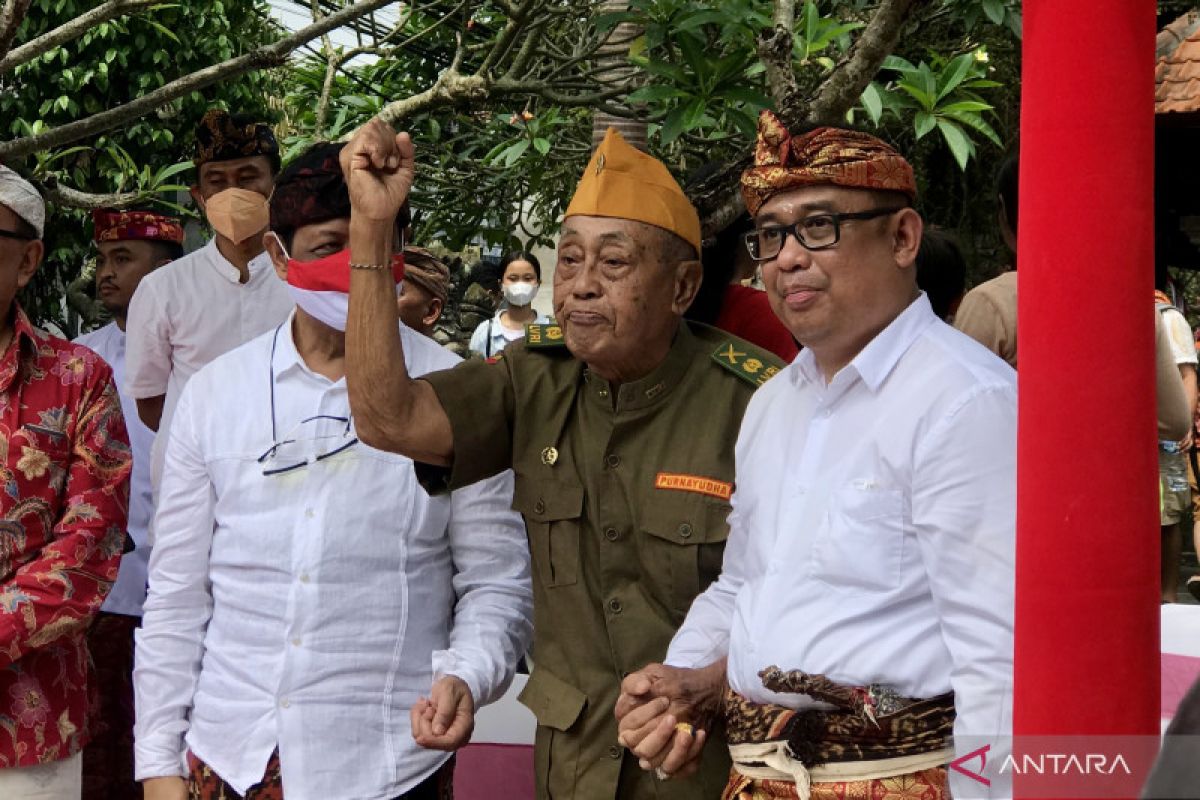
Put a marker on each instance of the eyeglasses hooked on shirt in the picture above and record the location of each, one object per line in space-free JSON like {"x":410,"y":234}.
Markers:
{"x":297,"y":450}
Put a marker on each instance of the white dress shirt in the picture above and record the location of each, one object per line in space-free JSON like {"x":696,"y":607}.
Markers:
{"x":873,"y":530}
{"x":309,"y":610}
{"x":187,"y":313}
{"x":129,"y":591}
{"x":491,"y":336}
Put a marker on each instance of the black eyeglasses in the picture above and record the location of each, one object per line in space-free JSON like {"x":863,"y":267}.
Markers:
{"x":296,"y":450}
{"x":817,"y":232}
{"x":20,"y":237}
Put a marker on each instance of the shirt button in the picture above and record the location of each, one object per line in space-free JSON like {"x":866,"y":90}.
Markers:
{"x":308,"y":512}
{"x":612,"y":460}
{"x":611,"y":534}
{"x":614,"y":606}
{"x":614,"y":752}
{"x":296,"y":641}
{"x":284,"y":702}
{"x":685,"y":531}
{"x":304,"y":578}
{"x":539,"y":507}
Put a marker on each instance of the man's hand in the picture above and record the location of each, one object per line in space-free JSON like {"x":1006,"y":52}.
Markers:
{"x":379,"y":166}
{"x":172,"y":788}
{"x":652,"y":703}
{"x":446,"y":719}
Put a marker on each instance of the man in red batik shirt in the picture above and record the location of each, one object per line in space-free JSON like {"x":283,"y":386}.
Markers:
{"x":64,"y":485}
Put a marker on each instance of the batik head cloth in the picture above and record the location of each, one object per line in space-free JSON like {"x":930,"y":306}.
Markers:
{"x":836,"y":156}
{"x":311,"y":190}
{"x":24,"y":201}
{"x":622,"y":181}
{"x":119,"y":226}
{"x":426,"y":270}
{"x":222,"y":137}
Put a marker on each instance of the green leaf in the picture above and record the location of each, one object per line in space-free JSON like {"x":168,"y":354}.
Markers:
{"x":994,"y":10}
{"x":964,"y":105}
{"x":672,"y":126}
{"x":872,"y":102}
{"x":976,"y":123}
{"x":1014,"y":23}
{"x":981,"y":83}
{"x":695,"y":19}
{"x":924,"y":101}
{"x":693,"y":113}
{"x":541,"y":145}
{"x":657,"y":92}
{"x":960,"y":145}
{"x":745,"y":94}
{"x":515,"y":152}
{"x":923,"y":123}
{"x":954,"y":74}
{"x":606,"y":22}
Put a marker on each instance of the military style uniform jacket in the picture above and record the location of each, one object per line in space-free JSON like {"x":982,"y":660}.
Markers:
{"x":625,"y":492}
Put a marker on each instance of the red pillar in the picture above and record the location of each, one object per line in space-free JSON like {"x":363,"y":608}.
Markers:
{"x":1087,"y":643}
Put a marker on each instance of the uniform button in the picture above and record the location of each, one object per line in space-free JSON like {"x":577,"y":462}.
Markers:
{"x":603,"y":392}
{"x":613,"y":460}
{"x":685,"y":531}
{"x":539,"y":507}
{"x":611,"y":534}
{"x":614,"y":606}
{"x":614,"y":752}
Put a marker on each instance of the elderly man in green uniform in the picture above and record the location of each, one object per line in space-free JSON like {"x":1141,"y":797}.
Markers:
{"x":619,"y":422}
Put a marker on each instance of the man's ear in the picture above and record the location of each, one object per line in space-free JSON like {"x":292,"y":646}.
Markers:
{"x":907,"y":239}
{"x":275,"y":250}
{"x":197,"y":198}
{"x":688,"y":277}
{"x":31,"y":259}
{"x":434,"y":311}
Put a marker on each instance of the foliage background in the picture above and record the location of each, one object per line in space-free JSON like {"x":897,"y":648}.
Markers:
{"x":106,"y":66}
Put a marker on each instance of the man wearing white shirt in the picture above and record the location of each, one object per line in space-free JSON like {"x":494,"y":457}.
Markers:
{"x":315,"y":620}
{"x":129,"y":246}
{"x":865,"y":604}
{"x":223,"y":294}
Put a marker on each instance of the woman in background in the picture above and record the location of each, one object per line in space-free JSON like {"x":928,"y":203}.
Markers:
{"x":520,"y":276}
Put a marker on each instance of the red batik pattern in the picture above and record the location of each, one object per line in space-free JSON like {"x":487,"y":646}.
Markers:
{"x":64,"y":486}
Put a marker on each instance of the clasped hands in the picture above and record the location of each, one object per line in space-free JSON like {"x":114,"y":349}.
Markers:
{"x":664,"y":715}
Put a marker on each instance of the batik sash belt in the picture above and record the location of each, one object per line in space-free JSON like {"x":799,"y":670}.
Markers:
{"x":870,"y":733}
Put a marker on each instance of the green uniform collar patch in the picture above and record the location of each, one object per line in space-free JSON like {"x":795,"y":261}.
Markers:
{"x":544,"y":336}
{"x":747,"y":362}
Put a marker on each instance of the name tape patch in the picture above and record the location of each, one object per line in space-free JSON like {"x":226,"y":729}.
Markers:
{"x":693,"y":483}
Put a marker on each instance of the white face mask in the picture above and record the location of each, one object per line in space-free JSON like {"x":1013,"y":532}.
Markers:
{"x":519,"y":294}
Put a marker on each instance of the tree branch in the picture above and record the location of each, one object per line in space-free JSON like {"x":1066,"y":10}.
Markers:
{"x":70,"y":30}
{"x":775,"y":50}
{"x":73,"y":198}
{"x":10,"y":19}
{"x":841,"y":90}
{"x":272,"y":55}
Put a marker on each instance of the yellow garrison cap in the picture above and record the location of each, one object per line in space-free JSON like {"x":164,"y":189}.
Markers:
{"x":622,"y":181}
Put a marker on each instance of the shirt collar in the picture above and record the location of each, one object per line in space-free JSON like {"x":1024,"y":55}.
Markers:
{"x":876,"y":361}
{"x":287,"y":358}
{"x":225,"y":267}
{"x":24,"y":334}
{"x":655,"y":386}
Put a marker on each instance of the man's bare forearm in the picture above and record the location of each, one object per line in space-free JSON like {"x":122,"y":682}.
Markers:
{"x":391,"y":411}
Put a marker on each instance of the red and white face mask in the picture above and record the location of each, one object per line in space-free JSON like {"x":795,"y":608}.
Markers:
{"x":322,"y":287}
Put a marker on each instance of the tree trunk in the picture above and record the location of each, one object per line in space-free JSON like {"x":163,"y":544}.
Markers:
{"x":612,"y":60}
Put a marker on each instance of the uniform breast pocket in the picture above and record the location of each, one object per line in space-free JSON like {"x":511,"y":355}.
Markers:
{"x":682,"y":551}
{"x":860,"y":545}
{"x":552,"y":512}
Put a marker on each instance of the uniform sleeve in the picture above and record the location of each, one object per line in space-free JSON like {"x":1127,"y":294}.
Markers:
{"x":58,"y":593}
{"x":964,"y":516}
{"x":147,"y":343}
{"x":478,"y":399}
{"x":170,"y":642}
{"x":1183,"y":345}
{"x":493,"y":616}
{"x":980,"y":318}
